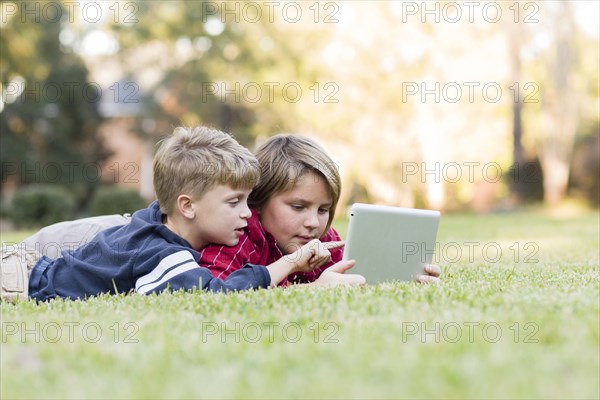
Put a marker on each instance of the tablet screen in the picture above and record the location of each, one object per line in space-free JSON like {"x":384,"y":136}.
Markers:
{"x":390,"y":243}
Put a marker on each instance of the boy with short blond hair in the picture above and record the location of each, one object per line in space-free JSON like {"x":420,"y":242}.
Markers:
{"x":202,"y":179}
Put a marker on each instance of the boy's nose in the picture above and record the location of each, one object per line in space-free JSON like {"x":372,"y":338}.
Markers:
{"x":312,"y":221}
{"x":246,"y":212}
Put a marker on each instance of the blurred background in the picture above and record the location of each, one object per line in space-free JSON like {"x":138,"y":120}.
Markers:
{"x":457,"y":106}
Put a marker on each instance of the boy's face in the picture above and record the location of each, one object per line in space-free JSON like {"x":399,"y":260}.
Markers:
{"x":296,"y":216}
{"x":221,"y":215}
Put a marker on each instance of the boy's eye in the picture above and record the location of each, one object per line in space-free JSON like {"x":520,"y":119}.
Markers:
{"x":234,"y":202}
{"x":323,"y":210}
{"x":297,"y":207}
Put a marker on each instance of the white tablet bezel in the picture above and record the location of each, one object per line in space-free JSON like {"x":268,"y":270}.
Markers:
{"x":390,"y":243}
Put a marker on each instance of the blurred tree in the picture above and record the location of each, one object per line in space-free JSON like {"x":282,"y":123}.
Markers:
{"x":49,"y":114}
{"x":515,"y":34}
{"x":524,"y":178}
{"x":222,"y":68}
{"x":560,"y":101}
{"x":559,"y":63}
{"x":401,"y":106}
{"x":407,"y":126}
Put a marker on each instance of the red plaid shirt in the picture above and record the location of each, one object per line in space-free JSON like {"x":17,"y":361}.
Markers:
{"x":259,"y":247}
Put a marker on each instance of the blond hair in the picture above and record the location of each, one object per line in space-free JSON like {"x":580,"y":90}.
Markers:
{"x":283,"y":159}
{"x":193,"y":160}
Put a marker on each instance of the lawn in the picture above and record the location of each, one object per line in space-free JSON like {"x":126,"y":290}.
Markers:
{"x":517,"y":316}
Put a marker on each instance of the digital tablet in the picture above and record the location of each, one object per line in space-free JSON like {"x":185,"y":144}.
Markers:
{"x":390,"y":243}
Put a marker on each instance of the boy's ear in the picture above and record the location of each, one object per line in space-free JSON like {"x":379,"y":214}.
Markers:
{"x":185,"y":205}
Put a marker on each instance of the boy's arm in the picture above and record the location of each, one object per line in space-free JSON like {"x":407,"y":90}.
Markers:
{"x":176,"y":270}
{"x":180,"y":270}
{"x":223,"y":260}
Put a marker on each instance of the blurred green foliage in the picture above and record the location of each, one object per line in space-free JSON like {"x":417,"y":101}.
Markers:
{"x":116,"y":200}
{"x":238,"y":66}
{"x":54,"y":120}
{"x":41,"y":205}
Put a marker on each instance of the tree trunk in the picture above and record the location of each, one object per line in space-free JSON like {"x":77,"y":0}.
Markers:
{"x":515,"y":38}
{"x":559,"y":109}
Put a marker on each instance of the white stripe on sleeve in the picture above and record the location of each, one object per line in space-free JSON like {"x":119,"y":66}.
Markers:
{"x":177,"y":263}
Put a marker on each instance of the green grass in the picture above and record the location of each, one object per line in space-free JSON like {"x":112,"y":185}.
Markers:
{"x":523,"y":324}
{"x":15,"y":236}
